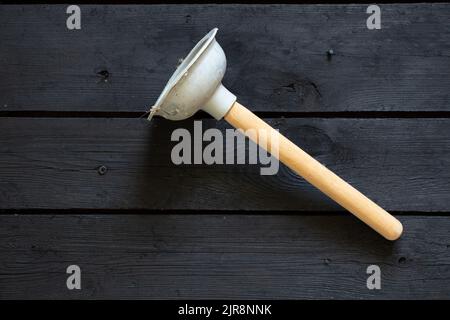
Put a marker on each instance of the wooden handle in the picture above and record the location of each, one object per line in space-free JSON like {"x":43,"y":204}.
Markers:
{"x":314,"y":172}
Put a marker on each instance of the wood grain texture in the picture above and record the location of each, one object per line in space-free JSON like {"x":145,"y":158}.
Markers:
{"x":52,"y":163}
{"x":220,"y":256}
{"x":277,"y":61}
{"x":226,"y":232}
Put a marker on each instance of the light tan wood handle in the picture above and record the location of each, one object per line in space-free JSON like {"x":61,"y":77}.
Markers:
{"x":314,"y":172}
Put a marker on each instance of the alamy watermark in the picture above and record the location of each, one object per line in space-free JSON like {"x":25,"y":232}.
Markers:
{"x":373,"y":22}
{"x":74,"y":280}
{"x":231,"y":148}
{"x":374,"y":280}
{"x":73,"y":22}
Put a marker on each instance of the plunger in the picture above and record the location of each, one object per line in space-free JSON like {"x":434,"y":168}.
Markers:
{"x":197,"y":84}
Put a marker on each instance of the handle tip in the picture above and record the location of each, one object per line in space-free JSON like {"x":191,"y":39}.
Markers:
{"x":395,"y":231}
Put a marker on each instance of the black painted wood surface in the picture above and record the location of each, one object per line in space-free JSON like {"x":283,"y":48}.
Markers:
{"x":220,"y":256}
{"x":53,"y":163}
{"x":376,"y":112}
{"x":277,"y":61}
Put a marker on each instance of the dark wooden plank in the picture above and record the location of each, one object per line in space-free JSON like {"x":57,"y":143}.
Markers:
{"x":52,"y":163}
{"x":220,"y":256}
{"x":276,"y":56}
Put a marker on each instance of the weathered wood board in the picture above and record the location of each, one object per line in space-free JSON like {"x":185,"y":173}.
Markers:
{"x":277,"y":61}
{"x":220,"y":256}
{"x":53,"y":163}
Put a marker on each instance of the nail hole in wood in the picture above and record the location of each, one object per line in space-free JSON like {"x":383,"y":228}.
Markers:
{"x":330,"y":53}
{"x":104,"y":75}
{"x":102,"y":170}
